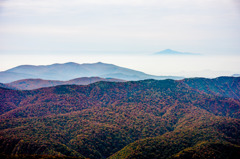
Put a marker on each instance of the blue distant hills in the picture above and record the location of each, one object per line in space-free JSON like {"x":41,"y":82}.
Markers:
{"x":173,"y":52}
{"x":70,"y":70}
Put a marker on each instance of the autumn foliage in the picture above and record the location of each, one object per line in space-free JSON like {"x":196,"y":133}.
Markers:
{"x":141,"y":119}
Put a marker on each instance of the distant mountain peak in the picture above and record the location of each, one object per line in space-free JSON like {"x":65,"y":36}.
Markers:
{"x":173,"y":52}
{"x":99,"y":63}
{"x":169,"y":50}
{"x":71,"y":63}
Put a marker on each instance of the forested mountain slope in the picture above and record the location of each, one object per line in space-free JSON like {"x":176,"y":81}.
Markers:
{"x":221,"y":86}
{"x":100,"y":119}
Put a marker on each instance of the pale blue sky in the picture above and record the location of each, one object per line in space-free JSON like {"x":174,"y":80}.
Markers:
{"x":48,"y":31}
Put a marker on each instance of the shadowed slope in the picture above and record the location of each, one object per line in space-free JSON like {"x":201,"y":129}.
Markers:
{"x":212,"y":137}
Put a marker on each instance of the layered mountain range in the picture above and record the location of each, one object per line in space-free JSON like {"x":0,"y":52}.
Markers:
{"x":69,"y":71}
{"x":189,"y":118}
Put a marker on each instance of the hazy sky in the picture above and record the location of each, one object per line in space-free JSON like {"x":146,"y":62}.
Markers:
{"x":123,"y":32}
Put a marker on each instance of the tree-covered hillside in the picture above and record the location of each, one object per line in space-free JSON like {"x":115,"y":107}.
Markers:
{"x":145,"y":119}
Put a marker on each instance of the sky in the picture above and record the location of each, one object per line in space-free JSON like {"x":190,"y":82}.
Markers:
{"x":123,"y":32}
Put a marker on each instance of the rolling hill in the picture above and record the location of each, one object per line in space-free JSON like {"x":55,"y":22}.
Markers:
{"x":137,"y":119}
{"x":68,"y":71}
{"x":30,"y":84}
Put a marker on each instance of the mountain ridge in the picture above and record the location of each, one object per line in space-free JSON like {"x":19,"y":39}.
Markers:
{"x":30,"y":84}
{"x":70,"y":70}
